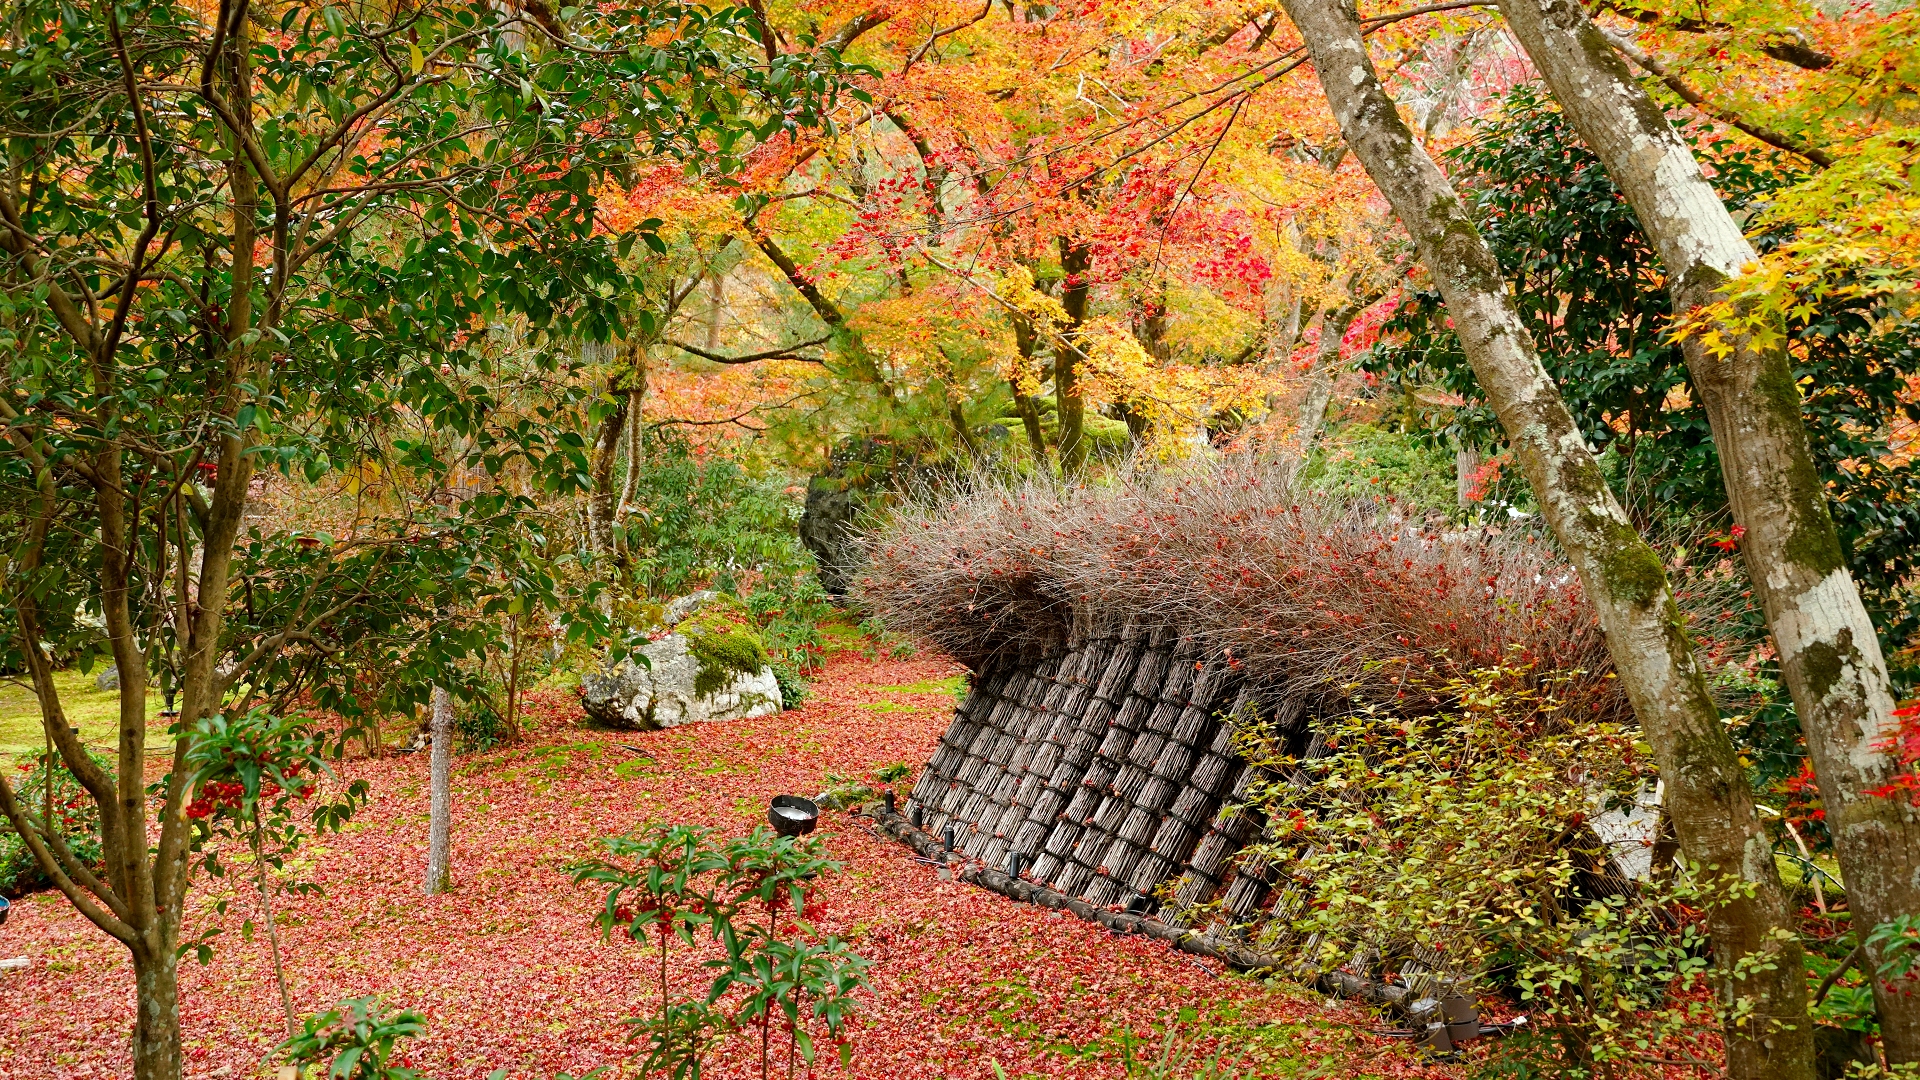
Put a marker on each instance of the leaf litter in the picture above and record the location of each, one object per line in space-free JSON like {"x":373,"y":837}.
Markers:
{"x":511,"y":974}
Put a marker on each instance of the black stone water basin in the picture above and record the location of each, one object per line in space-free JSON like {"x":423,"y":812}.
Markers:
{"x":791,"y":815}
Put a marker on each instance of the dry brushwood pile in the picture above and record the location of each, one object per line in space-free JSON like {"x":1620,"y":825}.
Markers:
{"x":1117,"y":635}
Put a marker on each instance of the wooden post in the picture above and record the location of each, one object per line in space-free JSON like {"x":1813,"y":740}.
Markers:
{"x":440,"y":814}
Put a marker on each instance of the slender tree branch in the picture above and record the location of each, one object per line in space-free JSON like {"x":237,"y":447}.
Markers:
{"x":920,"y":54}
{"x":784,"y":352}
{"x":1652,"y":66}
{"x":1788,"y":48}
{"x":1839,"y":969}
{"x":150,"y":196}
{"x":23,"y":824}
{"x":838,"y":41}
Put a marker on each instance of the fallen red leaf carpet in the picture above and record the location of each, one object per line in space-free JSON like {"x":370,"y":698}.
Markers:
{"x":511,"y":974}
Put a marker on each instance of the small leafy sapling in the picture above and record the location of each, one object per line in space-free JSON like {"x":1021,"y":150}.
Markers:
{"x":250,"y":776}
{"x":671,"y":881}
{"x":795,"y":978}
{"x":354,"y":1040}
{"x":651,"y":882}
{"x":1897,"y":943}
{"x":765,"y":870}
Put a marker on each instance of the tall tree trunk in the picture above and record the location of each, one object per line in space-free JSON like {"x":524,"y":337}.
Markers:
{"x":1150,"y":330}
{"x":1326,"y":367}
{"x":513,"y":677}
{"x":606,"y":454}
{"x":1706,"y":789}
{"x":1828,"y":648}
{"x":957,"y":414}
{"x":156,"y":1021}
{"x":440,"y":797}
{"x":1466,"y":471}
{"x":1074,"y":258}
{"x":1026,"y":340}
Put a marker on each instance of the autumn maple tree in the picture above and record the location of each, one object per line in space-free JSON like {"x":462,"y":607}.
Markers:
{"x":1027,"y":206}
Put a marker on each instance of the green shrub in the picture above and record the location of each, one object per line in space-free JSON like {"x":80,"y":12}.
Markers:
{"x":708,"y":523}
{"x":795,"y":687}
{"x":1366,"y":462}
{"x":74,"y":816}
{"x":1453,"y":846}
{"x":478,"y":722}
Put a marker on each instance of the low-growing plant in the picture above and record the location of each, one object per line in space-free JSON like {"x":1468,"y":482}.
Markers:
{"x":354,"y":1040}
{"x":879,"y":640}
{"x":1336,"y":601}
{"x":1179,"y":1056}
{"x":841,"y":792}
{"x":479,"y":720}
{"x":1363,"y":462}
{"x":676,"y":882}
{"x":1457,"y":848}
{"x":709,"y":524}
{"x":359,"y":1038}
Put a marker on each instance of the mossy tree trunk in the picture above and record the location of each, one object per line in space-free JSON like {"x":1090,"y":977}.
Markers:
{"x":1150,"y":330}
{"x":1706,"y":789}
{"x":1026,"y":340}
{"x":606,"y":455}
{"x":1829,"y":651}
{"x":137,"y":890}
{"x":1326,"y":367}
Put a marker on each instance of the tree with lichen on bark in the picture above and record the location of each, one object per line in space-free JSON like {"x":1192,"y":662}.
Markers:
{"x":1829,"y":650}
{"x":1756,"y":952}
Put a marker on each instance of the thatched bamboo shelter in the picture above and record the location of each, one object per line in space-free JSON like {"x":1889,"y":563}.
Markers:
{"x":1117,"y":635}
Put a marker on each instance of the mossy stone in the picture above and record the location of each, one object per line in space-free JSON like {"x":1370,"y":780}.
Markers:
{"x":724,"y":648}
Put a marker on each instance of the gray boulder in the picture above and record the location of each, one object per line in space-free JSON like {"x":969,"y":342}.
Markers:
{"x":108,"y":679}
{"x":711,"y":672}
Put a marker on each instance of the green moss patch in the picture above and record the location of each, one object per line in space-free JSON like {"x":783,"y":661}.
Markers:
{"x":724,"y":648}
{"x":95,"y":712}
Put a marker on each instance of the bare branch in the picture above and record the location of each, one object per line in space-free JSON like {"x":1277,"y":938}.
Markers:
{"x":838,"y":41}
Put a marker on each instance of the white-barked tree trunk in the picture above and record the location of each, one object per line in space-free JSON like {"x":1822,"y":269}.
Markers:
{"x":1829,"y":651}
{"x":1707,"y":791}
{"x":440,"y":797}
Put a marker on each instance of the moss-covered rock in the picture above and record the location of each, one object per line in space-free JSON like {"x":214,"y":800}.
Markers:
{"x":704,"y":662}
{"x":725,"y":648}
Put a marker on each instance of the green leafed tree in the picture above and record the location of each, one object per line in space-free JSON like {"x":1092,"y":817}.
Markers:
{"x":285,"y":241}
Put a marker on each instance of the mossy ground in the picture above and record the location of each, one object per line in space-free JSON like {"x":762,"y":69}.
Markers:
{"x":95,"y":712}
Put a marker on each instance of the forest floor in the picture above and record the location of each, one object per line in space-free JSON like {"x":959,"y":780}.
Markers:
{"x":511,"y":974}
